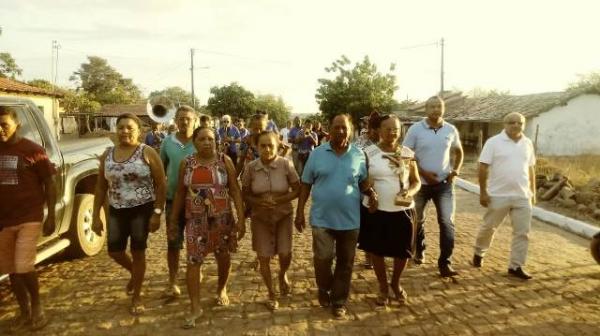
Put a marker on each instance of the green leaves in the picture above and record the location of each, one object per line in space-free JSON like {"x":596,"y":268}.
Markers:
{"x":357,"y":90}
{"x":9,"y":67}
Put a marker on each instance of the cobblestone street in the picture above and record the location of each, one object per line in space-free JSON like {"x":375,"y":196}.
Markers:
{"x":87,"y":296}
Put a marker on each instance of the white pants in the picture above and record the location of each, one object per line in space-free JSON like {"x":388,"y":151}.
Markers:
{"x":519,"y":210}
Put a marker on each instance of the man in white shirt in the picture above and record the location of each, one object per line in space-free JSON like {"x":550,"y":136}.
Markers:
{"x":285,"y":131}
{"x":507,"y":187}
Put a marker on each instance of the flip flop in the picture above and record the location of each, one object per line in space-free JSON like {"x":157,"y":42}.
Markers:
{"x":382,"y":299}
{"x":137,"y":309}
{"x":19,"y":322}
{"x":190,"y":321}
{"x":39,"y":323}
{"x":223,"y":300}
{"x":400,"y":295}
{"x":272,"y":304}
{"x":285,"y":288}
{"x":129,"y":288}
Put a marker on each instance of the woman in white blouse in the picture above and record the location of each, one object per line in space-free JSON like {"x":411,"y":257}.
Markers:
{"x":387,"y":228}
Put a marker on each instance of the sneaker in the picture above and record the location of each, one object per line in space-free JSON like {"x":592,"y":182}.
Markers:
{"x":447,"y":271}
{"x":519,"y":273}
{"x":477,"y":261}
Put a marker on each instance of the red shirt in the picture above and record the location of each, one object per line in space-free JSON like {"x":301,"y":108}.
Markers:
{"x":24,"y":166}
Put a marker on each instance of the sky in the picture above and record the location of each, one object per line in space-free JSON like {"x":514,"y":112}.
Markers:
{"x":282,"y":47}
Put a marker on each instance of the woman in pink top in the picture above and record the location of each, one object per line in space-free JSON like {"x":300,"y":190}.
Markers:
{"x":132,"y":175}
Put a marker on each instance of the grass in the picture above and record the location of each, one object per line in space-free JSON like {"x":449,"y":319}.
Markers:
{"x":579,"y":169}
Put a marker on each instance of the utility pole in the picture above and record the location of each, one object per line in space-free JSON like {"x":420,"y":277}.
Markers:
{"x":442,"y":67}
{"x":192,"y":72}
{"x":54,"y":67}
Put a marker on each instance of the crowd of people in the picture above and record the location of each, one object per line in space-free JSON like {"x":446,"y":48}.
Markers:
{"x":370,"y":194}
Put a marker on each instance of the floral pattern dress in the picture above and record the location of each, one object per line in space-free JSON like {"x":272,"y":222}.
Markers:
{"x":210,"y":226}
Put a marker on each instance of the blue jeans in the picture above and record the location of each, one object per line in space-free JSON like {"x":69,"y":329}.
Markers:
{"x":327,"y":245}
{"x":442,"y":195}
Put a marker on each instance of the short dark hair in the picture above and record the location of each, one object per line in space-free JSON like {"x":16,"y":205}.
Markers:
{"x":130,"y":116}
{"x":201,"y":128}
{"x":333,"y":116}
{"x":268,"y":133}
{"x":185,"y":108}
{"x":205,"y":118}
{"x":9,"y":111}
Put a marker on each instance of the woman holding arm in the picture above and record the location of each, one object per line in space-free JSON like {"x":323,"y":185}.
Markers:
{"x":207,"y":185}
{"x":387,"y":229}
{"x":132,"y":175}
{"x":269,"y":185}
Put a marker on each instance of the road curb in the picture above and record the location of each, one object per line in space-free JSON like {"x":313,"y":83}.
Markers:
{"x":569,"y":224}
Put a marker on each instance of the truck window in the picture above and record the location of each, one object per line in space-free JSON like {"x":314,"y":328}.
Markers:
{"x":28,"y":129}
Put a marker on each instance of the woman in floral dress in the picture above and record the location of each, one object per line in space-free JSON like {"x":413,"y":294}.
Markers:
{"x":207,"y":185}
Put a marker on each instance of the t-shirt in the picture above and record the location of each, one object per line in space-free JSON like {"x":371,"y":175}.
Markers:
{"x":335,"y":186}
{"x":308,"y":144}
{"x":271,"y":126}
{"x":24,"y":166}
{"x":172,"y":152}
{"x":284,"y":134}
{"x":230,"y":132}
{"x":509,"y":165}
{"x":432,"y":147}
{"x":294,"y":131}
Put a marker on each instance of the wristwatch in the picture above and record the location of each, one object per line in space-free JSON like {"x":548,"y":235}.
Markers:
{"x":158,"y":211}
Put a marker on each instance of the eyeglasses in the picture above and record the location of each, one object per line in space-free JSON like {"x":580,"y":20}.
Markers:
{"x":225,"y":121}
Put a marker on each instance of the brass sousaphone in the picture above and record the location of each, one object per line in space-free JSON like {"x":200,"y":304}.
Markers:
{"x":161,"y":110}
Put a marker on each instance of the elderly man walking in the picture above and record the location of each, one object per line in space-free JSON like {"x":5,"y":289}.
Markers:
{"x":336,"y":173}
{"x":434,"y":140}
{"x":507,"y":187}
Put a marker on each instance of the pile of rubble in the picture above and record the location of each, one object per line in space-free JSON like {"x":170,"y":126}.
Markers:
{"x":558,"y":189}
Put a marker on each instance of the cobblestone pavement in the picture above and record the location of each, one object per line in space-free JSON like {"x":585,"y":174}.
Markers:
{"x":87,"y":297}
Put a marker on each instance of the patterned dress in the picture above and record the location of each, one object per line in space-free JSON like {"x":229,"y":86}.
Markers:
{"x":210,"y":226}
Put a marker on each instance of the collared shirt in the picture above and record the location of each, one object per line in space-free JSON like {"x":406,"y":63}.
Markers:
{"x":335,"y":186}
{"x":432,"y":147}
{"x":231,"y":132}
{"x":172,"y":152}
{"x":509,"y":164}
{"x":275,"y":178}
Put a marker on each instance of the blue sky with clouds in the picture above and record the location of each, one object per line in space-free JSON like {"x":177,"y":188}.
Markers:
{"x":282,"y":47}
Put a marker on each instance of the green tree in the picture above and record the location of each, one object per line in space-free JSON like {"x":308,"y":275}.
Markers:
{"x":42,"y":84}
{"x":104,"y":84}
{"x":9,"y":67}
{"x":79,"y":102}
{"x":176,"y":95}
{"x":587,"y":83}
{"x":356,"y":90}
{"x":232,"y":99}
{"x":275,"y":107}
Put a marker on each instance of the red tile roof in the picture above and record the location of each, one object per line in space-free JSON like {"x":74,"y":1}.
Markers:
{"x":12,"y":86}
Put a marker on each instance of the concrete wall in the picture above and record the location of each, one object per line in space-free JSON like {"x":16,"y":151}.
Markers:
{"x":573,"y":129}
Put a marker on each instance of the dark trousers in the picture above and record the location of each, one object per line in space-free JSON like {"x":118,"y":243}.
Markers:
{"x":442,"y":195}
{"x":327,"y":245}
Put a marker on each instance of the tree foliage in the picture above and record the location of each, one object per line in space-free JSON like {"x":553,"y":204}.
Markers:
{"x":42,"y":84}
{"x":275,"y":107}
{"x":9,"y":67}
{"x":479,"y":92}
{"x":232,"y":99}
{"x":102,"y":83}
{"x":79,"y":102}
{"x":356,"y":90}
{"x":176,"y":95}
{"x":587,"y":83}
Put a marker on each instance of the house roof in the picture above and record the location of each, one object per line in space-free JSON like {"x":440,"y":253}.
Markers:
{"x":13,"y":86}
{"x":495,"y":107}
{"x":114,"y":110}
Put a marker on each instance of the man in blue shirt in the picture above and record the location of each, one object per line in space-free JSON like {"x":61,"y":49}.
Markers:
{"x":293,"y":137}
{"x":336,"y":173}
{"x":173,"y":150}
{"x":433,"y":140}
{"x":230,"y":138}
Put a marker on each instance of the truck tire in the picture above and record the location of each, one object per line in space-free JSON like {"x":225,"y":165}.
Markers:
{"x":84,"y":242}
{"x":595,"y":247}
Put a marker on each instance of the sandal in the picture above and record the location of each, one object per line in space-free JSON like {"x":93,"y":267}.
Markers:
{"x":382,"y":299}
{"x":223,"y":300}
{"x":39,"y":323}
{"x":272,"y":304}
{"x":400,"y":295}
{"x":137,"y":309}
{"x":19,"y":322}
{"x":190,"y":321}
{"x":285,"y":288}
{"x":129,"y":288}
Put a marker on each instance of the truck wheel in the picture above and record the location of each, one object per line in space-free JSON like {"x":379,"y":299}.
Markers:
{"x":84,"y":242}
{"x":595,"y":247}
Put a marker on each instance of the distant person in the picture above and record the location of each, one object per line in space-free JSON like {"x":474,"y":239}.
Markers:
{"x":230,"y":138}
{"x":173,"y":150}
{"x":439,"y":155}
{"x":172,"y":129}
{"x":322,"y":135}
{"x":335,"y":173}
{"x":306,"y":140}
{"x":507,"y":188}
{"x":207,"y":187}
{"x":293,"y":134}
{"x":155,"y":137}
{"x":26,"y":185}
{"x":241,"y":125}
{"x":285,"y":132}
{"x":132,"y":176}
{"x":269,"y":184}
